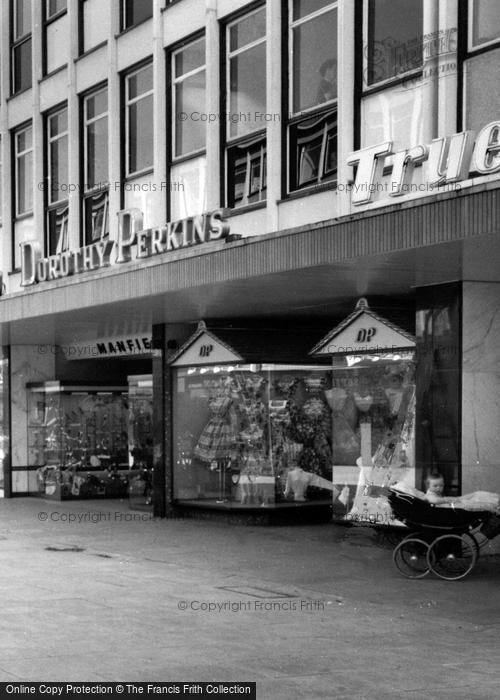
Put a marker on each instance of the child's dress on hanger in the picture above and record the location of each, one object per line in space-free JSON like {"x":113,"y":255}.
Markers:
{"x":218,"y":439}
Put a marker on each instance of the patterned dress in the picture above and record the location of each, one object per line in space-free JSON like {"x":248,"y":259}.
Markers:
{"x":218,"y":439}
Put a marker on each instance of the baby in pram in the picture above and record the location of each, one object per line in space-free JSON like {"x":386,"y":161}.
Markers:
{"x":477,"y":500}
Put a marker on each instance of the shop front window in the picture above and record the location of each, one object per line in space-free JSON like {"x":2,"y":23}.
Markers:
{"x":4,"y":422}
{"x":372,"y":400}
{"x":252,"y":435}
{"x":78,"y":440}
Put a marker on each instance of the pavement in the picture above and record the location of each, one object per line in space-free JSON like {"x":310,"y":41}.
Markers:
{"x":92,"y":591}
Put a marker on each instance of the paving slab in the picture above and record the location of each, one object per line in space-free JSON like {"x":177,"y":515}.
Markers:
{"x":91,"y":593}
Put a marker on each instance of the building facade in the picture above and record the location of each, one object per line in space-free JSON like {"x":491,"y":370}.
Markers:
{"x":260,"y":167}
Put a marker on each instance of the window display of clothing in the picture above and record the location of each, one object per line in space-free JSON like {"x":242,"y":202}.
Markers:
{"x":218,"y":441}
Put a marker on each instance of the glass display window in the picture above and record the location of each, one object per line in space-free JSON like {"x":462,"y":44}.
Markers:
{"x":372,"y":400}
{"x":140,"y":439}
{"x":78,"y":440}
{"x":252,"y":435}
{"x":372,"y":403}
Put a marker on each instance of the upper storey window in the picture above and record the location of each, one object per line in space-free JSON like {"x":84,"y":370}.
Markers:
{"x":21,"y":45}
{"x":135,"y":11}
{"x":394,"y":39}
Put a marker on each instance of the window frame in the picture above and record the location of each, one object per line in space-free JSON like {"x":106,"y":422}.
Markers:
{"x":174,"y":111}
{"x":128,"y":175}
{"x":53,"y":208}
{"x":228,"y":55}
{"x":320,"y":112}
{"x":123,"y":17}
{"x":47,"y":21}
{"x":17,"y":155}
{"x":87,"y":193}
{"x":292,"y":24}
{"x":250,"y":139}
{"x":485,"y":46}
{"x":15,"y":43}
{"x":393,"y":80}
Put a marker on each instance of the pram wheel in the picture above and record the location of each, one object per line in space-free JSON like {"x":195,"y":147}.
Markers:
{"x":452,"y":557}
{"x":410,"y":557}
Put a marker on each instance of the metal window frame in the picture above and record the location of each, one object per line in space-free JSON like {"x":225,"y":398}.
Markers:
{"x":86,"y":122}
{"x":17,"y":156}
{"x":50,"y":141}
{"x":230,"y":140}
{"x":293,"y":24}
{"x":471,"y":48}
{"x":380,"y":84}
{"x":127,"y":104}
{"x":176,"y":80}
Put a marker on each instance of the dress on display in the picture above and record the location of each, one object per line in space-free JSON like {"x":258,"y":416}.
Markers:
{"x":218,"y":439}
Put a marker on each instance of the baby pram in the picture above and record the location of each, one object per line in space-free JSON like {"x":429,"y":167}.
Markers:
{"x":446,"y":541}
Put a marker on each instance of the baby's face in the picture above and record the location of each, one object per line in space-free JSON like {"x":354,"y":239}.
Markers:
{"x":436,"y":486}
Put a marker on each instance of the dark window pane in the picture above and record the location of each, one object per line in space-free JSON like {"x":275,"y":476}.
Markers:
{"x":247,"y":90}
{"x":96,"y":217}
{"x":301,"y":8}
{"x":24,"y":140}
{"x":22,"y":18}
{"x":136,"y":11}
{"x":97,"y":104}
{"x":22,"y":66}
{"x":315,"y":61}
{"x":58,"y":123}
{"x":24,"y":184}
{"x":140,"y":141}
{"x":140,"y":82}
{"x":58,"y":230}
{"x":486,"y":21}
{"x":54,"y":7}
{"x":189,"y":98}
{"x":313,"y":151}
{"x":247,"y":30}
{"x":97,"y":153}
{"x":438,"y":398}
{"x":193,"y":56}
{"x":247,"y":176}
{"x":394,"y":38}
{"x":58,"y":154}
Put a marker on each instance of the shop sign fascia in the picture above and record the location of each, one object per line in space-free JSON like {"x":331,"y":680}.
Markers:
{"x":450,"y":160}
{"x":365,"y":333}
{"x":131,"y":238}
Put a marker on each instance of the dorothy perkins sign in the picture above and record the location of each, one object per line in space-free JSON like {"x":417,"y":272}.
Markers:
{"x":149,"y":242}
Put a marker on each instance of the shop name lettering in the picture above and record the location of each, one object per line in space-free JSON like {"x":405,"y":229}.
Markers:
{"x":449,"y":160}
{"x":146,"y":242}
